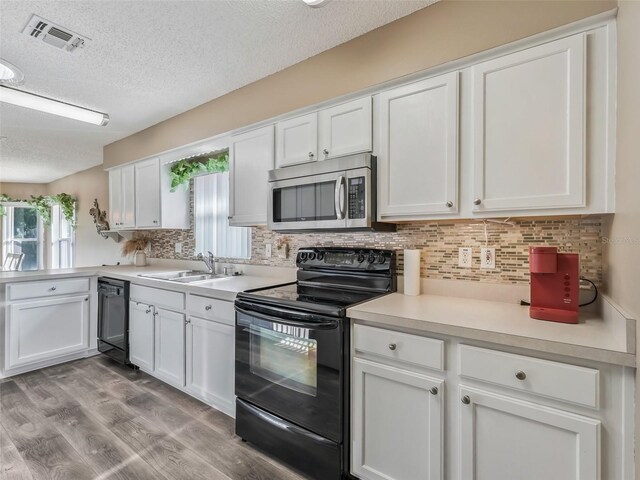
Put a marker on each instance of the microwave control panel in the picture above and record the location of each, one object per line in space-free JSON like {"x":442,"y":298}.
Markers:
{"x":357,"y":195}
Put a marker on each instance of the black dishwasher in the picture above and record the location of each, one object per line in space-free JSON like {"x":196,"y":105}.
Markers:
{"x":113,"y":318}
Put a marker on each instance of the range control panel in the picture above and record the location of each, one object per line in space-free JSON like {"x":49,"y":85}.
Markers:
{"x":345,"y":258}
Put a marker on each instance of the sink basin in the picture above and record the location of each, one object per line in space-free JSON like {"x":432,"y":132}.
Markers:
{"x":188,"y":276}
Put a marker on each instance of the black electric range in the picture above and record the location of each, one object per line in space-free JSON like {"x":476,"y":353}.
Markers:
{"x":292,"y":357}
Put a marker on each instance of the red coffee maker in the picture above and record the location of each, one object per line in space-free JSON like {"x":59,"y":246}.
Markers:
{"x":554,"y":285}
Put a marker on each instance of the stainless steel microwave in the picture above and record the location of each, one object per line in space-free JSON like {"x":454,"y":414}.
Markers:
{"x":336,"y":194}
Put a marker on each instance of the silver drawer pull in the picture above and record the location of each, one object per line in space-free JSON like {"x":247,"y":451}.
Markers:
{"x":449,"y":204}
{"x":520,"y":375}
{"x":392,"y":346}
{"x":52,"y":289}
{"x":208,"y":307}
{"x":148,"y":310}
{"x":466,"y":400}
{"x":433,"y":390}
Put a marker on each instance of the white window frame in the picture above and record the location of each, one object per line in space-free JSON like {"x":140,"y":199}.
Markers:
{"x":57,"y":240}
{"x":7,"y":233}
{"x":211,"y":220}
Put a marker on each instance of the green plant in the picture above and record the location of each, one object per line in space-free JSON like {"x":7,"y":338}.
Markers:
{"x":184,"y":170}
{"x":43,"y":204}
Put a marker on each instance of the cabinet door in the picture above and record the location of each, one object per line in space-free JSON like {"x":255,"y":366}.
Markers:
{"x":345,"y":129}
{"x":397,"y":423}
{"x":529,"y":128}
{"x":502,"y":437}
{"x":211,"y":362}
{"x":115,"y":198}
{"x":147,"y":193}
{"x":418,"y":157}
{"x":297,"y":140}
{"x":43,"y":329}
{"x":250,"y":159}
{"x":141,"y":335}
{"x":170,"y":346}
{"x":128,"y":197}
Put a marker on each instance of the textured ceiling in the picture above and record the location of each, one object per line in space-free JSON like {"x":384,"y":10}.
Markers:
{"x":150,"y":60}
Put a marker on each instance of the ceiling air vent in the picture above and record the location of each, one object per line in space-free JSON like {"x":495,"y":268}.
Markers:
{"x":55,"y":35}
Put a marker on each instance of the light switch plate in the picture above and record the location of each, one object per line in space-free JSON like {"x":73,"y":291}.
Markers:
{"x":465,"y":257}
{"x":267,"y":250}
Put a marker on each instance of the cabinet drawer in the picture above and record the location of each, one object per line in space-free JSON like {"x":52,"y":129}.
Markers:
{"x":217,"y":310}
{"x":403,"y":347}
{"x":47,"y":288}
{"x":158,"y":297}
{"x":560,"y":381}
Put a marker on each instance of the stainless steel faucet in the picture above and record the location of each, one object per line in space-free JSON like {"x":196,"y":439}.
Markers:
{"x":209,"y":261}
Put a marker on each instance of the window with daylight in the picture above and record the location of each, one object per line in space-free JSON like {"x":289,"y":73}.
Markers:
{"x":211,"y":212}
{"x":22,"y":232}
{"x":61,"y":239}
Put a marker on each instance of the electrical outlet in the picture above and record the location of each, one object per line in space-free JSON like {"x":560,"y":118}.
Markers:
{"x":465,"y":257}
{"x":488,"y":258}
{"x":267,"y":250}
{"x":178,"y":247}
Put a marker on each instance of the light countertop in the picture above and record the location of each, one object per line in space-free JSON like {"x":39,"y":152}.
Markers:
{"x":604,"y":334}
{"x":222,"y":288}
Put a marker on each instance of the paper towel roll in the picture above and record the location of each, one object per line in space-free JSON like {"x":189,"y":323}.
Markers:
{"x":412,"y":272}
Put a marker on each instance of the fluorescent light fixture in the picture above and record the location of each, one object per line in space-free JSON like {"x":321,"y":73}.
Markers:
{"x":10,"y":74}
{"x":48,"y":105}
{"x":316,"y":3}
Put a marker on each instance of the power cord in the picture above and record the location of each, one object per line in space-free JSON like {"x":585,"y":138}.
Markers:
{"x":595,"y":296}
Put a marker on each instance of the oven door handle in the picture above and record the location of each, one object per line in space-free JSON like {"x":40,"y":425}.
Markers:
{"x":340,"y":201}
{"x":302,"y":320}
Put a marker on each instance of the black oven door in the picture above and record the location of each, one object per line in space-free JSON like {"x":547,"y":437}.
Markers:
{"x":291,"y":364}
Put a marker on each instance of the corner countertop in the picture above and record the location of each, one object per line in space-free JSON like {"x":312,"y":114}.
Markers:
{"x":604,"y":334}
{"x":222,"y":288}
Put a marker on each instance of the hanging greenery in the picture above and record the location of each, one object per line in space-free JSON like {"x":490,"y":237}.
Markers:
{"x":184,"y":170}
{"x":43,"y":204}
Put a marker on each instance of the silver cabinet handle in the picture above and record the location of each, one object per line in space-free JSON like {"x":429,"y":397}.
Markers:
{"x":520,"y":375}
{"x":433,"y":390}
{"x":466,"y":400}
{"x":449,"y":204}
{"x":207,"y":308}
{"x":392,"y":346}
{"x":148,"y":310}
{"x":311,"y":155}
{"x":325,"y":151}
{"x":187,"y":322}
{"x":229,"y":217}
{"x":340,"y":202}
{"x":86,"y":299}
{"x":53,"y":289}
{"x":477,"y":201}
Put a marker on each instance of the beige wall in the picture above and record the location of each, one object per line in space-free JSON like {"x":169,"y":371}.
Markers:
{"x":91,"y":248}
{"x":446,"y":31}
{"x":622,"y":252}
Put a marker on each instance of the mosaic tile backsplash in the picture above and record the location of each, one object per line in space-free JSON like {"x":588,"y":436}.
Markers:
{"x":439,"y":242}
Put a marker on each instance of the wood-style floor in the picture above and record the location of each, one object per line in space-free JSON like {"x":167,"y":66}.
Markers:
{"x":93,"y":419}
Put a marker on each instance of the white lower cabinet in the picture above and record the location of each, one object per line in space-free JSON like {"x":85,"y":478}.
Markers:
{"x":507,"y":438}
{"x":38,"y":330}
{"x":141,"y":335}
{"x":169,"y":346}
{"x":397,"y":423}
{"x":210,"y":362}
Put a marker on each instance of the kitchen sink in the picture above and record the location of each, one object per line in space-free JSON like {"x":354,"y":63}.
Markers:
{"x":188,"y":276}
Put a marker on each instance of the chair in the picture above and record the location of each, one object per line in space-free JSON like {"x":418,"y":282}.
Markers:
{"x":12,"y":261}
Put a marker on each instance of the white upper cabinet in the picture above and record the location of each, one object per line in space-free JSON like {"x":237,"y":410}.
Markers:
{"x":345,"y":129}
{"x":122,"y":197}
{"x":297,"y":140}
{"x":417,"y":128}
{"x":250,"y":159}
{"x":140,"y":196}
{"x":148,"y":193}
{"x":529,"y":128}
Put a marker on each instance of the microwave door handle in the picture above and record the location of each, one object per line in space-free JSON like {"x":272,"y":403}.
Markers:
{"x":340,"y":201}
